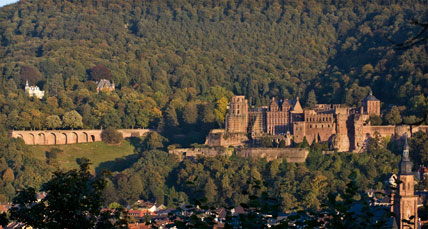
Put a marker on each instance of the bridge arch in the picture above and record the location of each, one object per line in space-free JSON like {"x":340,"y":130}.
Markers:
{"x":32,"y":139}
{"x":84,"y":137}
{"x":73,"y":138}
{"x":61,"y":138}
{"x":42,"y":139}
{"x":51,"y":140}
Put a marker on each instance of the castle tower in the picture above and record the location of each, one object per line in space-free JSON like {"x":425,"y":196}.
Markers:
{"x":371,"y":105}
{"x":405,"y":202}
{"x":237,"y":117}
{"x":341,"y":142}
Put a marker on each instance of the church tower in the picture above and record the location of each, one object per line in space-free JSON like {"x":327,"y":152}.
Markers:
{"x":406,"y":203}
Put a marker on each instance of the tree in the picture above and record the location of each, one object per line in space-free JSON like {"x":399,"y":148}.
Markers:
{"x":111,"y":136}
{"x":153,"y":141}
{"x":99,"y":72}
{"x":171,"y":117}
{"x":375,"y":120}
{"x":220,"y":110}
{"x":311,"y":100}
{"x":266,"y":142}
{"x":53,"y":122}
{"x":393,"y":117}
{"x":190,"y":113}
{"x":30,"y":74}
{"x":72,"y":119}
{"x":73,"y":200}
{"x":8,"y":175}
{"x":419,"y":148}
{"x":411,"y":120}
{"x":210,"y":190}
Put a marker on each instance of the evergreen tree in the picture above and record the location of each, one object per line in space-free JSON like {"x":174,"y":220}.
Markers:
{"x":311,"y":100}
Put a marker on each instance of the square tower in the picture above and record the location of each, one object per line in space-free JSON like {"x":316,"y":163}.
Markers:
{"x":237,"y":117}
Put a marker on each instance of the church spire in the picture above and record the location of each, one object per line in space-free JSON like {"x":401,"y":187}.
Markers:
{"x":405,"y":164}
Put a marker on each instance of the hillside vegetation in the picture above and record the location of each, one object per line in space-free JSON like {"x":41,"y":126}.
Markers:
{"x":176,"y":63}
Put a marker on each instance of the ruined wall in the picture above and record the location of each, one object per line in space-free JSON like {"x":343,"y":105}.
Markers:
{"x":62,"y":137}
{"x":195,"y":152}
{"x":218,"y":137}
{"x":415,"y":129}
{"x":290,"y":154}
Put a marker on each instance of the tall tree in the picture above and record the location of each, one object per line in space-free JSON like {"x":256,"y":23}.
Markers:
{"x":72,"y":119}
{"x":53,"y":122}
{"x":99,"y":72}
{"x":73,"y":200}
{"x":393,"y":117}
{"x":311,"y":100}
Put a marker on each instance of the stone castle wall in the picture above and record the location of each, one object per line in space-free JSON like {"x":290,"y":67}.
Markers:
{"x":218,"y":137}
{"x":62,"y":137}
{"x":294,"y":155}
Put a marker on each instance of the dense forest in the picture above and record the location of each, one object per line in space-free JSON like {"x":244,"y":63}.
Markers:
{"x":176,"y":63}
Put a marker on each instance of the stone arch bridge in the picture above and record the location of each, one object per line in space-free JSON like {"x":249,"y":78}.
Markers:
{"x":62,"y":137}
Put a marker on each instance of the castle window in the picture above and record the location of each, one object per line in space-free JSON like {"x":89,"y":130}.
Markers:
{"x":310,"y":126}
{"x":322,"y":126}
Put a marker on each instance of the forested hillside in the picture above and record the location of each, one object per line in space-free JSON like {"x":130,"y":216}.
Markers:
{"x":176,"y":63}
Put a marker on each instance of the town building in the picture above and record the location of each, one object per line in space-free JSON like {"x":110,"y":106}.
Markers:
{"x":105,"y":85}
{"x":33,"y":91}
{"x":344,"y":128}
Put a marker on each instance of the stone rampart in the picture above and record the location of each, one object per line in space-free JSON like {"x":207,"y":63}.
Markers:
{"x":194,"y":152}
{"x":62,"y":137}
{"x":218,"y":137}
{"x":294,"y":155}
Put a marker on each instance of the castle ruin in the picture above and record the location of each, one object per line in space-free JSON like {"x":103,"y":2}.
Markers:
{"x":344,"y":128}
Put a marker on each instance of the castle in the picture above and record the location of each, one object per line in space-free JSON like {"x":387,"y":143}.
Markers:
{"x":344,"y":128}
{"x":33,"y":91}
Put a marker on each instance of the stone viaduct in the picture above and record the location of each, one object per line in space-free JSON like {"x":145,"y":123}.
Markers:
{"x":62,"y":137}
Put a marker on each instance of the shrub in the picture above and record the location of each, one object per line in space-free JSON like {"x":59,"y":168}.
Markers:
{"x":111,"y":136}
{"x":53,"y":153}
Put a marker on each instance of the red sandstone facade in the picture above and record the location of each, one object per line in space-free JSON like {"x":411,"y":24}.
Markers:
{"x":345,"y":128}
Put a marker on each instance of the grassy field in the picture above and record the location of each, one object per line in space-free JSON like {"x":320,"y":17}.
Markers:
{"x":101,"y":155}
